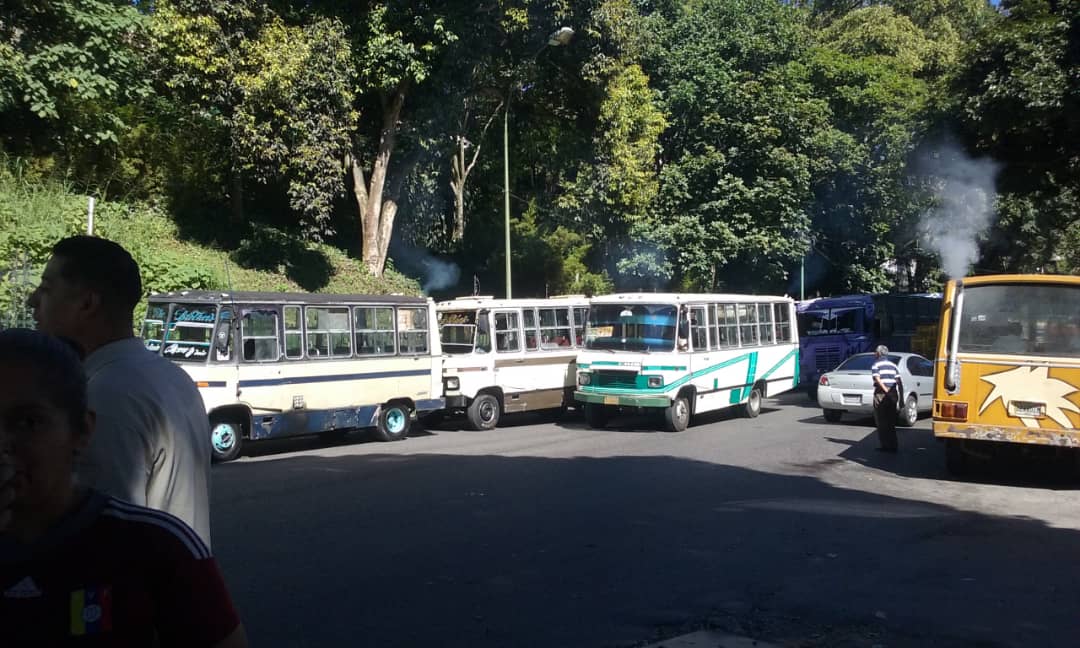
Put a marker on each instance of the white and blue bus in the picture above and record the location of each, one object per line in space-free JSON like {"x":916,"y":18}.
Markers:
{"x":281,"y":364}
{"x":685,"y":354}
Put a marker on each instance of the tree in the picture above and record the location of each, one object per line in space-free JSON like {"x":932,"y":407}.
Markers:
{"x":1018,"y":101}
{"x":65,"y":69}
{"x":737,"y":158}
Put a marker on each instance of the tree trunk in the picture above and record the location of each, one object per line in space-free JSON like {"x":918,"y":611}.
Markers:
{"x":459,"y":172}
{"x":377,"y":215}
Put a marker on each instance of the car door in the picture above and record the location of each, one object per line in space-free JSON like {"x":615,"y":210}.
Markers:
{"x":920,"y":372}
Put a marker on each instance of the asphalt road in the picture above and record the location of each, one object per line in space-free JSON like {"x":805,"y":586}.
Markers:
{"x":546,"y":533}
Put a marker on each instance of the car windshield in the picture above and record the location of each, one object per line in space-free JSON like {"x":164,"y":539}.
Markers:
{"x":631,"y":327}
{"x":863,"y":362}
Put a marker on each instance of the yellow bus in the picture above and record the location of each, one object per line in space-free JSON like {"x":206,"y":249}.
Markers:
{"x":1008,"y":366}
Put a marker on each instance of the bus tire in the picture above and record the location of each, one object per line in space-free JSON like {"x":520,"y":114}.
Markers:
{"x":484,"y":412}
{"x":393,"y":422}
{"x":832,"y":415}
{"x":596,"y":415}
{"x":909,"y":415}
{"x":753,"y":402}
{"x":677,"y":415}
{"x":226,"y":439}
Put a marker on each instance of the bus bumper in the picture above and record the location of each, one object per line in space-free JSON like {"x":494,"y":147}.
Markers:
{"x":1007,"y":434}
{"x":622,"y":400}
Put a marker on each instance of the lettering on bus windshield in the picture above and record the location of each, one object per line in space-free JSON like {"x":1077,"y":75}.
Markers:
{"x":203,"y":316}
{"x":189,"y":333}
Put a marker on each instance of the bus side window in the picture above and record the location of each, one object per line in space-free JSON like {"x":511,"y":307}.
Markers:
{"x":412,"y":330}
{"x":699,"y":328}
{"x":507,"y":332}
{"x":294,"y":333}
{"x":580,"y":316}
{"x":783,"y":323}
{"x":259,"y":333}
{"x":532,"y":335}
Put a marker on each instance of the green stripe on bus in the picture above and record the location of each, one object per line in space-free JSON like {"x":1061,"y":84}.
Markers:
{"x":663,"y":368}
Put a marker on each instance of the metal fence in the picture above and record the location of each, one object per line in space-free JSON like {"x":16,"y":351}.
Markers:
{"x":16,"y":284}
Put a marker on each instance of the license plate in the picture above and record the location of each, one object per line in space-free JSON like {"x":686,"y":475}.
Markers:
{"x":852,"y":399}
{"x":611,"y":400}
{"x":1027,"y":410}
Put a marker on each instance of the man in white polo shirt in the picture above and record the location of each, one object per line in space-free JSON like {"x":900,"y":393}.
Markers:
{"x":152,"y":441}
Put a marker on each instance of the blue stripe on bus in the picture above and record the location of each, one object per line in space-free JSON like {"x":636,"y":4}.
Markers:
{"x":211,"y":383}
{"x":301,"y":380}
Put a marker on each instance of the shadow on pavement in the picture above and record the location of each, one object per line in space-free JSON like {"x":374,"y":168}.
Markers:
{"x":476,"y":551}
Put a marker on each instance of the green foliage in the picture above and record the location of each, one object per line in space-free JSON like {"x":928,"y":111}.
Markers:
{"x":1020,"y":101}
{"x":66,"y":66}
{"x":738,"y":154}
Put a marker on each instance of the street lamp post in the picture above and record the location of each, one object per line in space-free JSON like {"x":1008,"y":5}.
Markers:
{"x":557,"y":38}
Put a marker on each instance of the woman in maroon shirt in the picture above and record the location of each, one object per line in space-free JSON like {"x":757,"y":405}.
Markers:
{"x":77,"y":567}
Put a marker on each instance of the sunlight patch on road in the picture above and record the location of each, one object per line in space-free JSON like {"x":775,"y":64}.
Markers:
{"x":838,"y":507}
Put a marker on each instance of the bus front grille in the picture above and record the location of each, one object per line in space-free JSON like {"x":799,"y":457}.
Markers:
{"x":827,"y":358}
{"x":624,"y":379}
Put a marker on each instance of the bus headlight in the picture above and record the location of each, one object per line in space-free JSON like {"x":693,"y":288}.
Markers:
{"x":584,"y":378}
{"x":453,"y":382}
{"x":656,"y":381}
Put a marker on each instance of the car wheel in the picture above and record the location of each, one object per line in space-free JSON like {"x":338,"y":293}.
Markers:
{"x":393,"y":422}
{"x":225,"y":441}
{"x":910,"y":414}
{"x":483,"y":412}
{"x":832,"y":415}
{"x":596,"y":415}
{"x":677,"y":415}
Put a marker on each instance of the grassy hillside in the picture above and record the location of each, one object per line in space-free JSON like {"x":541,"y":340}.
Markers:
{"x":33,"y":216}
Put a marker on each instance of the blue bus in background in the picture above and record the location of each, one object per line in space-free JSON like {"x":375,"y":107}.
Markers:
{"x":832,"y":329}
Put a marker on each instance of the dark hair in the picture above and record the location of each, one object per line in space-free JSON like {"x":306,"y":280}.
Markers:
{"x":58,"y":363}
{"x":105,"y":267}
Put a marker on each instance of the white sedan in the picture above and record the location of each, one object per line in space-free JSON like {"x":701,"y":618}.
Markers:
{"x":850,"y":387}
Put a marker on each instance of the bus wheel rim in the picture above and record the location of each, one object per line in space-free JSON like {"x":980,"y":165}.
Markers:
{"x":223,"y":437}
{"x":487,"y":411}
{"x":395,"y":421}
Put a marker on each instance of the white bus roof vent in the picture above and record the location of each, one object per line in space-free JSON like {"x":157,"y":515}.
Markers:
{"x":476,"y":297}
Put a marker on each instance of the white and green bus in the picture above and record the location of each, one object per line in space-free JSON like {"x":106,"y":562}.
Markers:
{"x":685,"y":354}
{"x":270,"y":365}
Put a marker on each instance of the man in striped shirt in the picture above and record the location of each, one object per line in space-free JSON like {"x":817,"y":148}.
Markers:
{"x":886,"y":399}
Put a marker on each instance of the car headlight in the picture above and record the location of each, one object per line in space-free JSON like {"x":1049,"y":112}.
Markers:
{"x":584,"y":378}
{"x":453,"y":382}
{"x":656,"y":381}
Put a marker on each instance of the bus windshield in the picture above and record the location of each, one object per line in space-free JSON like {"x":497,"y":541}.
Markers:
{"x":463,"y":332}
{"x":1021,"y":319}
{"x":829,"y":321}
{"x":182,"y":332}
{"x":631,"y":327}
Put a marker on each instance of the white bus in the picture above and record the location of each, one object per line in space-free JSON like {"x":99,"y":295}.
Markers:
{"x":685,"y":354}
{"x":277,"y":364}
{"x":509,"y":355}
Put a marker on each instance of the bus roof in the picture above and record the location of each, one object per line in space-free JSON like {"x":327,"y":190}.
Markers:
{"x":249,"y":297}
{"x":683,"y":298}
{"x":1021,"y":278}
{"x":484,"y":301}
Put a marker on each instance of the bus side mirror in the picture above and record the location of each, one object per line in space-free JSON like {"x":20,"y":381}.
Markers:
{"x":221,"y":338}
